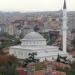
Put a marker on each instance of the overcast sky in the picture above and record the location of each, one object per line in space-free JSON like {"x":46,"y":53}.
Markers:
{"x":35,"y":5}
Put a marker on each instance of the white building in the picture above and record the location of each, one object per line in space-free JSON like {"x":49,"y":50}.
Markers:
{"x":34,"y":42}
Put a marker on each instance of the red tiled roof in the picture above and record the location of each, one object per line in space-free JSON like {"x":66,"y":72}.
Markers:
{"x":72,"y":53}
{"x":58,"y":73}
{"x":40,"y":72}
{"x":5,"y":50}
{"x":31,"y":65}
{"x":58,"y":64}
{"x":22,"y":71}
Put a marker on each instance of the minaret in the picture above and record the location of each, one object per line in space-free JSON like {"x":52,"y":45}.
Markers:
{"x":64,"y":28}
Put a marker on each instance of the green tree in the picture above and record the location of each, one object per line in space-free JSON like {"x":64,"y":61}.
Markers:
{"x":30,"y":59}
{"x":73,"y":43}
{"x":8,"y":65}
{"x":8,"y":41}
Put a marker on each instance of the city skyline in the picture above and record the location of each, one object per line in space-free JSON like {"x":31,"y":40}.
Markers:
{"x":35,"y":5}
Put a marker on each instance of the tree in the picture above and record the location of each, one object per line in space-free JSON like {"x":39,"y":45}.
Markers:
{"x":73,"y":43}
{"x":7,"y":41}
{"x":30,"y":59}
{"x":58,"y":58}
{"x":71,"y":71}
{"x":8,"y":65}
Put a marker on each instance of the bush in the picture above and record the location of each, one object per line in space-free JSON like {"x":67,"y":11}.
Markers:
{"x":73,"y":43}
{"x":60,"y":69}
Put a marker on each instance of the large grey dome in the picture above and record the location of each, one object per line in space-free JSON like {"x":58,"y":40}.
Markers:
{"x":33,"y":39}
{"x":34,"y":36}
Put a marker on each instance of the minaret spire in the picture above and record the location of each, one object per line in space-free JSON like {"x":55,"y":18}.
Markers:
{"x":64,"y":6}
{"x":64,"y":28}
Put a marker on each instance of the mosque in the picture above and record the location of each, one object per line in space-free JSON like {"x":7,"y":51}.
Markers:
{"x":35,"y":42}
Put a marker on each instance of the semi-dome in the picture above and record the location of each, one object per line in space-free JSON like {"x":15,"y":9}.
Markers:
{"x":33,"y":36}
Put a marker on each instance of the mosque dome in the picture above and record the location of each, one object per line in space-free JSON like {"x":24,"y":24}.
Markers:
{"x":33,"y":39}
{"x":33,"y":36}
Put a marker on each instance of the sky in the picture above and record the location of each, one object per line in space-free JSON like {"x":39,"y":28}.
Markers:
{"x":35,"y":5}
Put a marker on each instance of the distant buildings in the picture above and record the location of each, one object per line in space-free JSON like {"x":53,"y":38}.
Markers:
{"x":2,"y":28}
{"x":42,"y":24}
{"x":22,"y":23}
